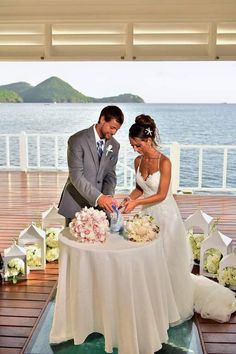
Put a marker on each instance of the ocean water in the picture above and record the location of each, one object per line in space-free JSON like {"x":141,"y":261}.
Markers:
{"x":183,"y":123}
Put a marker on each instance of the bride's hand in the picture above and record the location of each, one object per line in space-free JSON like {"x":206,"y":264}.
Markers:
{"x":129,"y":206}
{"x":122,"y":204}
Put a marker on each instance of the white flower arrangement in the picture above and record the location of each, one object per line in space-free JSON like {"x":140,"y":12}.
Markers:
{"x":33,"y":256}
{"x":90,"y":225}
{"x":109,"y":149}
{"x":52,"y":250}
{"x":52,"y":254}
{"x":227,"y":277}
{"x":195,"y":242}
{"x":15,"y":268}
{"x":141,"y":228}
{"x":52,"y":236}
{"x":212,"y":259}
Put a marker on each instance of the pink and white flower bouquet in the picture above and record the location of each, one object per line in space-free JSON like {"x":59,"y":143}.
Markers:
{"x":90,"y":225}
{"x":141,"y":228}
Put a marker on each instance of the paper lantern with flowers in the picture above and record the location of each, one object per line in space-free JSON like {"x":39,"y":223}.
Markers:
{"x":199,"y":220}
{"x":33,"y":240}
{"x":198,"y":226}
{"x":213,"y":249}
{"x":227,"y":270}
{"x":14,"y":263}
{"x":51,"y":218}
{"x":52,"y":223}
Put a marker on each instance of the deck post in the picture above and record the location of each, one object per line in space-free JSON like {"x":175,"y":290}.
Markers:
{"x":23,"y":151}
{"x":175,"y":168}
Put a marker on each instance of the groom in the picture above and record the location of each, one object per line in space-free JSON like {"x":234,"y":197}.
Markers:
{"x":92,"y":156}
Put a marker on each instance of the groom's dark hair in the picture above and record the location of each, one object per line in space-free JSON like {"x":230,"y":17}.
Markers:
{"x":112,"y":112}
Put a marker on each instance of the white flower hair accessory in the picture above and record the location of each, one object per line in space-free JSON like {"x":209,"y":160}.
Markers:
{"x":109,"y":149}
{"x":148,"y":131}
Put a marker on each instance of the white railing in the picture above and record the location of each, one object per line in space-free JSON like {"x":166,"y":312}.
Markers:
{"x":27,"y":152}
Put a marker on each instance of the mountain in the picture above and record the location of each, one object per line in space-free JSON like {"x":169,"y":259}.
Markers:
{"x":53,"y":90}
{"x":9,"y":96}
{"x":18,"y":87}
{"x":125,"y":97}
{"x":57,"y":90}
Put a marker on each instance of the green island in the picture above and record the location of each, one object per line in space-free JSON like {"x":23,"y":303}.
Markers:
{"x":55,"y":90}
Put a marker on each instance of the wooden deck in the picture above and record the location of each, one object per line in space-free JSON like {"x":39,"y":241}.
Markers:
{"x":23,"y":197}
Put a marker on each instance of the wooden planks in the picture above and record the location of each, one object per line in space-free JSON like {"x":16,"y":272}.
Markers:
{"x":21,"y":306}
{"x":23,"y":197}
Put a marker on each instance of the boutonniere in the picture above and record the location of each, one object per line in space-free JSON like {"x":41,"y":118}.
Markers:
{"x":109,"y":149}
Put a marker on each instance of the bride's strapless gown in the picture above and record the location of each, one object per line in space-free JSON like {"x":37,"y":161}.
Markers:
{"x":191,"y":292}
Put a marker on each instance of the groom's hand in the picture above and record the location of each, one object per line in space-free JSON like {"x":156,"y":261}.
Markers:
{"x":106,"y":202}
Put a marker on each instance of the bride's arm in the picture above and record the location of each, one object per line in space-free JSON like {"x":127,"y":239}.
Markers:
{"x":137,"y":192}
{"x":165,"y":176}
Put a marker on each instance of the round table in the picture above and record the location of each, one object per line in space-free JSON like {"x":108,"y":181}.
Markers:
{"x":120,"y":289}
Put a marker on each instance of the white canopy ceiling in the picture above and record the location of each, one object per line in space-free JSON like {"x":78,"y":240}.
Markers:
{"x":117,"y":30}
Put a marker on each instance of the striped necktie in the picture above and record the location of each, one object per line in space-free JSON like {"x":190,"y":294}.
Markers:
{"x":100,"y":148}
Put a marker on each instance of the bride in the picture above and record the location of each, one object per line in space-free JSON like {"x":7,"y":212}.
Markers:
{"x":153,"y":193}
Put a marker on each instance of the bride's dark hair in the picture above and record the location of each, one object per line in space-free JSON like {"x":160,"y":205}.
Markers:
{"x":144,"y":128}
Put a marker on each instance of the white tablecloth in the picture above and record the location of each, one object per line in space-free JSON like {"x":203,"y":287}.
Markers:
{"x":120,"y":289}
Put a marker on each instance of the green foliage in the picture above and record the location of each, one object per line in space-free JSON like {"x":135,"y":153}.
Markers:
{"x":54,"y":90}
{"x":9,"y":96}
{"x":125,"y":97}
{"x":17,"y":87}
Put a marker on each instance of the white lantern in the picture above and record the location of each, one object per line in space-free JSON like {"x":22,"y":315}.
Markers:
{"x":199,"y":220}
{"x":198,"y":226}
{"x":33,"y":240}
{"x":51,"y":218}
{"x":227,"y":270}
{"x":14,"y":263}
{"x":212,"y":249}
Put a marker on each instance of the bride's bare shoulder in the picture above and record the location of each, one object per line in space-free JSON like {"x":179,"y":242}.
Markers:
{"x":137,"y":162}
{"x":164,"y":161}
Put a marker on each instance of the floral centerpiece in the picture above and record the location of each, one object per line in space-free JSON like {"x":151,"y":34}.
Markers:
{"x":14,"y":263}
{"x":227,"y":277}
{"x":52,"y":254}
{"x":90,"y":225}
{"x":15,"y":268}
{"x":195,"y":242}
{"x":33,"y":255}
{"x":32,"y":238}
{"x":227,"y":270}
{"x":212,"y":259}
{"x":141,"y":228}
{"x":52,"y":250}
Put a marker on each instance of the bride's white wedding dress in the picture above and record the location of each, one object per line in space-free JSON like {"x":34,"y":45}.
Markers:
{"x":191,"y":292}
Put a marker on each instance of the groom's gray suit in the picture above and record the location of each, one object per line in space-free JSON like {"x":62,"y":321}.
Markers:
{"x":87,"y":177}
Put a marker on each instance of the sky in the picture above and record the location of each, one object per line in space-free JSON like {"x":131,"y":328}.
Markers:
{"x":155,"y":82}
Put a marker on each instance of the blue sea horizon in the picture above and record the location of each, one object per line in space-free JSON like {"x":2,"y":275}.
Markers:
{"x":185,"y":123}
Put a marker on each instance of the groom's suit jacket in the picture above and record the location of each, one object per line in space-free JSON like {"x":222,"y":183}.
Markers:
{"x":87,"y":177}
